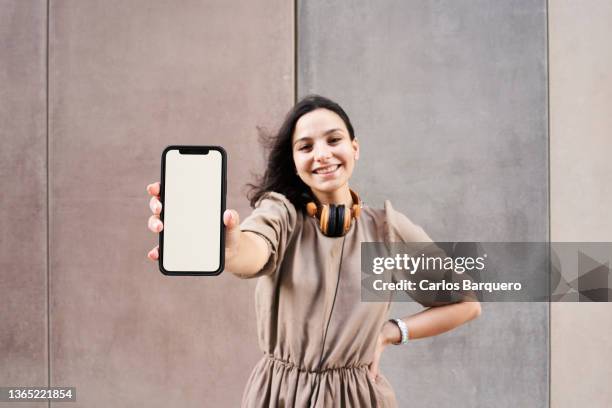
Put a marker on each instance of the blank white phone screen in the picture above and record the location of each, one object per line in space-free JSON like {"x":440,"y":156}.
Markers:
{"x":192,"y":211}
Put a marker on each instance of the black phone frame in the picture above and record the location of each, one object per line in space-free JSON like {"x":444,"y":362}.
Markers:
{"x":194,"y":149}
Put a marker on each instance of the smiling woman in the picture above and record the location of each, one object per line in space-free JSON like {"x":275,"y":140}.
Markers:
{"x":316,"y":136}
{"x":321,"y":344}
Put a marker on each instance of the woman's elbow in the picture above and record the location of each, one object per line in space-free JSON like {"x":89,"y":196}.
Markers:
{"x":474,"y":309}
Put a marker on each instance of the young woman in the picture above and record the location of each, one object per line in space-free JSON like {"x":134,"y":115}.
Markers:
{"x":321,"y":344}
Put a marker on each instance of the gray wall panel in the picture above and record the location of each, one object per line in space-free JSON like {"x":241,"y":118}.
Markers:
{"x":449,"y":103}
{"x":127,"y":79}
{"x":23,"y":183}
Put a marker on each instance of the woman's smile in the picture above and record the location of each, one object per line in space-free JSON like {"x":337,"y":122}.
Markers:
{"x":327,"y":170}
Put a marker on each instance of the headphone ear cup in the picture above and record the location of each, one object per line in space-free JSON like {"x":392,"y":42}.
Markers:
{"x":333,"y":220}
{"x":324,"y":221}
{"x":348,"y":219}
{"x":311,"y":209}
{"x":340,"y":221}
{"x":356,"y":207}
{"x":356,"y":210}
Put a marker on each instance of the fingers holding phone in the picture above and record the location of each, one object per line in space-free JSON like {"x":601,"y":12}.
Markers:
{"x":231,"y":220}
{"x":154,"y":253}
{"x":153,"y":189}
{"x":154,"y":224}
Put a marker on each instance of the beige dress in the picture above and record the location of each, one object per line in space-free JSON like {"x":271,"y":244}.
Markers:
{"x":293,"y":298}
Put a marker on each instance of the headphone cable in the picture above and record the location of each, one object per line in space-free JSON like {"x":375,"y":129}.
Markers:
{"x":318,"y":372}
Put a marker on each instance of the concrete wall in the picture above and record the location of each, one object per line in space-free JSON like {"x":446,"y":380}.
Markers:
{"x":125,"y":80}
{"x":580,"y":144}
{"x":23,"y":193}
{"x":449,"y":101}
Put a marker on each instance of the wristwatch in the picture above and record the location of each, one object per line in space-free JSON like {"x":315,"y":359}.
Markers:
{"x":403,"y":329}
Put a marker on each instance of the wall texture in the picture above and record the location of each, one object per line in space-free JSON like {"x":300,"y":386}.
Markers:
{"x":580,"y":144}
{"x":449,"y":101}
{"x":127,"y":79}
{"x":23,"y":192}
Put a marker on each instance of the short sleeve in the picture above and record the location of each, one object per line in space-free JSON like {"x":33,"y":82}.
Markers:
{"x":274,"y":219}
{"x":400,"y":229}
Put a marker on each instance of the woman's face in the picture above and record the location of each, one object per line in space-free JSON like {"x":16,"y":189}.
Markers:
{"x":323,"y":152}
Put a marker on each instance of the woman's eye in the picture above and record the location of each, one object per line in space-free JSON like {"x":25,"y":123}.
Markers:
{"x":304,"y":147}
{"x":335,"y":140}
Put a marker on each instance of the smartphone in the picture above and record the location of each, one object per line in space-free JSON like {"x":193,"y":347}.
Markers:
{"x":192,"y":193}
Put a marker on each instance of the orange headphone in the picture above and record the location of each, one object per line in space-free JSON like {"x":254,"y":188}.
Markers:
{"x":333,"y":219}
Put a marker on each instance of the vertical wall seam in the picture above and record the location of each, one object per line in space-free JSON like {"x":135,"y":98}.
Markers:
{"x":549,"y":201}
{"x":48,"y":223}
{"x":295,"y":51}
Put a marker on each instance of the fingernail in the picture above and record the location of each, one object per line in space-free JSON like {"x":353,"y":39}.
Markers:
{"x":158,"y":226}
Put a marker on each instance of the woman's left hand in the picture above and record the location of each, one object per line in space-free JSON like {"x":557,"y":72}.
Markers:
{"x":389,"y":333}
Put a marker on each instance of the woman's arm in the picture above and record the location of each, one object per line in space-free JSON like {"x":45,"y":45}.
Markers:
{"x":427,"y":323}
{"x":249,"y":254}
{"x":432,"y":321}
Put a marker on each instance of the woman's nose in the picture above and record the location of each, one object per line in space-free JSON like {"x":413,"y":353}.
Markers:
{"x":322,"y":153}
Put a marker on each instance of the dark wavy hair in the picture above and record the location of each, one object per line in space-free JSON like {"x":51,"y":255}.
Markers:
{"x":280,"y":175}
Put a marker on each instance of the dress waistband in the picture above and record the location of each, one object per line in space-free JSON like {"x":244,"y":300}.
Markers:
{"x":289,"y":364}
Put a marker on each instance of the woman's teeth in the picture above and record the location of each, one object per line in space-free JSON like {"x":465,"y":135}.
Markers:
{"x":328,"y":169}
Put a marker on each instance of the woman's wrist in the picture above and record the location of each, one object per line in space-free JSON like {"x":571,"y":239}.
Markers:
{"x":391,"y":334}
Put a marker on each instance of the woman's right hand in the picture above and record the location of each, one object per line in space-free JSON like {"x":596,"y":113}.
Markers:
{"x":231,"y":219}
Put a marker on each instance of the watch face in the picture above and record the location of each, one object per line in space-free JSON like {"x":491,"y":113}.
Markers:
{"x":403,"y":329}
